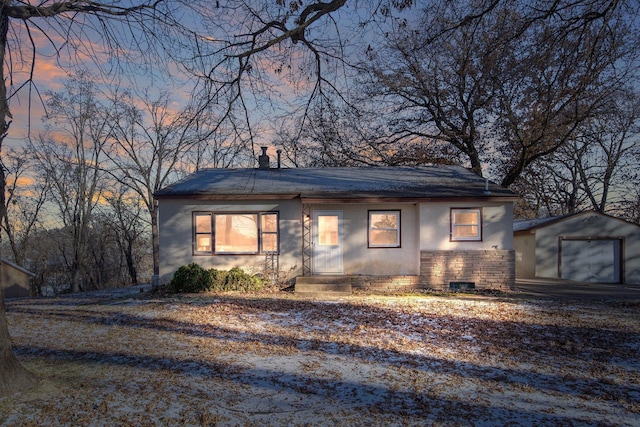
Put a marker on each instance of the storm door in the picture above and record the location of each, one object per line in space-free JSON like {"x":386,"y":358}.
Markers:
{"x":327,"y":242}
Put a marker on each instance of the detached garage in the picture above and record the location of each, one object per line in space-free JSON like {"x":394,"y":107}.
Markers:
{"x":586,"y":247}
{"x":15,"y":280}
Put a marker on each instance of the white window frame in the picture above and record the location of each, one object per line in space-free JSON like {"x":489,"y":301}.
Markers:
{"x":455,"y":226}
{"x":371,"y":228}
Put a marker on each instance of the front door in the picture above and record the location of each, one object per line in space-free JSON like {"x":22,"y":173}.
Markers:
{"x":327,"y":242}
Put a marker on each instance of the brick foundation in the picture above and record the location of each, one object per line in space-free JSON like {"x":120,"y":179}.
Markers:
{"x":487,"y":269}
{"x":385,"y":283}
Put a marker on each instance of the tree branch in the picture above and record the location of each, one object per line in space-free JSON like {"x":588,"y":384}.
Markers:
{"x":30,"y":11}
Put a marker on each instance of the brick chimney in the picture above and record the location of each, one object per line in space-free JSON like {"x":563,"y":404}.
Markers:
{"x":263,"y":159}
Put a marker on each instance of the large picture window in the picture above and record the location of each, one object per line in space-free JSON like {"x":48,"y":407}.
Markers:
{"x":466,"y":224}
{"x":235,"y":233}
{"x":384,"y":229}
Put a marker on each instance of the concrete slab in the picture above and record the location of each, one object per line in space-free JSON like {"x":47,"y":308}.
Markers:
{"x":571,"y":290}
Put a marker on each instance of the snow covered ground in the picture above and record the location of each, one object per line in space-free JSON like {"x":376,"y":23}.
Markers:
{"x":230,"y":360}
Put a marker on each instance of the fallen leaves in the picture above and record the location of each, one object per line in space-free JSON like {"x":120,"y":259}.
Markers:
{"x":232,"y":359}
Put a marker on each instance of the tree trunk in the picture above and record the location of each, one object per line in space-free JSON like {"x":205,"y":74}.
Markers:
{"x":131,"y":264}
{"x":76,"y":278}
{"x":13,"y":377}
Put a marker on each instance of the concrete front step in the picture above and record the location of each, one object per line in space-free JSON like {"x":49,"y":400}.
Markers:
{"x":322,"y":295}
{"x":322,"y":286}
{"x":323,"y":279}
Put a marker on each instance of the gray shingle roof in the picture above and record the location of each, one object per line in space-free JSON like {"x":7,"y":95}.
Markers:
{"x":533,"y":224}
{"x":530,"y":224}
{"x":341,"y":183}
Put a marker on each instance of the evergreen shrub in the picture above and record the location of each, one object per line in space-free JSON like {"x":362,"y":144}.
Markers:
{"x":189,"y":279}
{"x":192,"y":278}
{"x":235,"y":280}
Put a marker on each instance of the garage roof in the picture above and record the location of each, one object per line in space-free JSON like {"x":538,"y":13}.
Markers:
{"x":427,"y":182}
{"x":531,"y":224}
{"x":536,"y":223}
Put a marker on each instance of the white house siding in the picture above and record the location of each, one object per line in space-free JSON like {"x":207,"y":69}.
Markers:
{"x":176,"y":235}
{"x":489,"y":263}
{"x":425,"y":248}
{"x":358,"y":258}
{"x":175,"y":222}
{"x":585,"y":226}
{"x":497,"y":225}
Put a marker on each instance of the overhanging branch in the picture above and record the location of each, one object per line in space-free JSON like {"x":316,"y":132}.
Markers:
{"x":26,"y":11}
{"x":308,"y":16}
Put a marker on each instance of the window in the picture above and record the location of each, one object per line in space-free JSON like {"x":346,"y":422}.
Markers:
{"x":384,"y":229}
{"x":269,"y":232}
{"x":328,"y":230}
{"x":235,"y":233}
{"x":202,"y":233}
{"x":466,"y":224}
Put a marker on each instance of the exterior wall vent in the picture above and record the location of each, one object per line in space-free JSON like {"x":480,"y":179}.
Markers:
{"x":456,"y":286}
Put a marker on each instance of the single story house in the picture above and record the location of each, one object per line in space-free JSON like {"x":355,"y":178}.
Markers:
{"x":586,"y":247}
{"x":16,"y":281}
{"x":372,"y":227}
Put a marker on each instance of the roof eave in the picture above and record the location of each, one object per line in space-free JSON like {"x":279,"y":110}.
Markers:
{"x":226,"y":196}
{"x":348,"y":200}
{"x":336,"y":199}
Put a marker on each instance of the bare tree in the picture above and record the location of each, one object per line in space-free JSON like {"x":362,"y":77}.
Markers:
{"x":70,"y":158}
{"x":329,"y":136}
{"x":500,"y":90}
{"x":551,"y":186}
{"x":439,"y":91}
{"x":25,"y":197}
{"x":608,"y":144}
{"x":13,"y":376}
{"x":565,"y":79}
{"x":106,"y":257}
{"x":596,"y":169}
{"x":128,"y":222}
{"x":631,"y":210}
{"x":148,"y":146}
{"x":280,"y":57}
{"x":223,"y":148}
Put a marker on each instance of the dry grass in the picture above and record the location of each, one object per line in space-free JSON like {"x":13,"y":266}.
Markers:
{"x":363,"y":360}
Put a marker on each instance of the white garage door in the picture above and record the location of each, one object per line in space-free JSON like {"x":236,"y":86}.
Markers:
{"x":596,"y":261}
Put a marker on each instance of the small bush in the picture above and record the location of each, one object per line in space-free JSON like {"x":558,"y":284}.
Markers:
{"x":190,"y":278}
{"x":234,"y":280}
